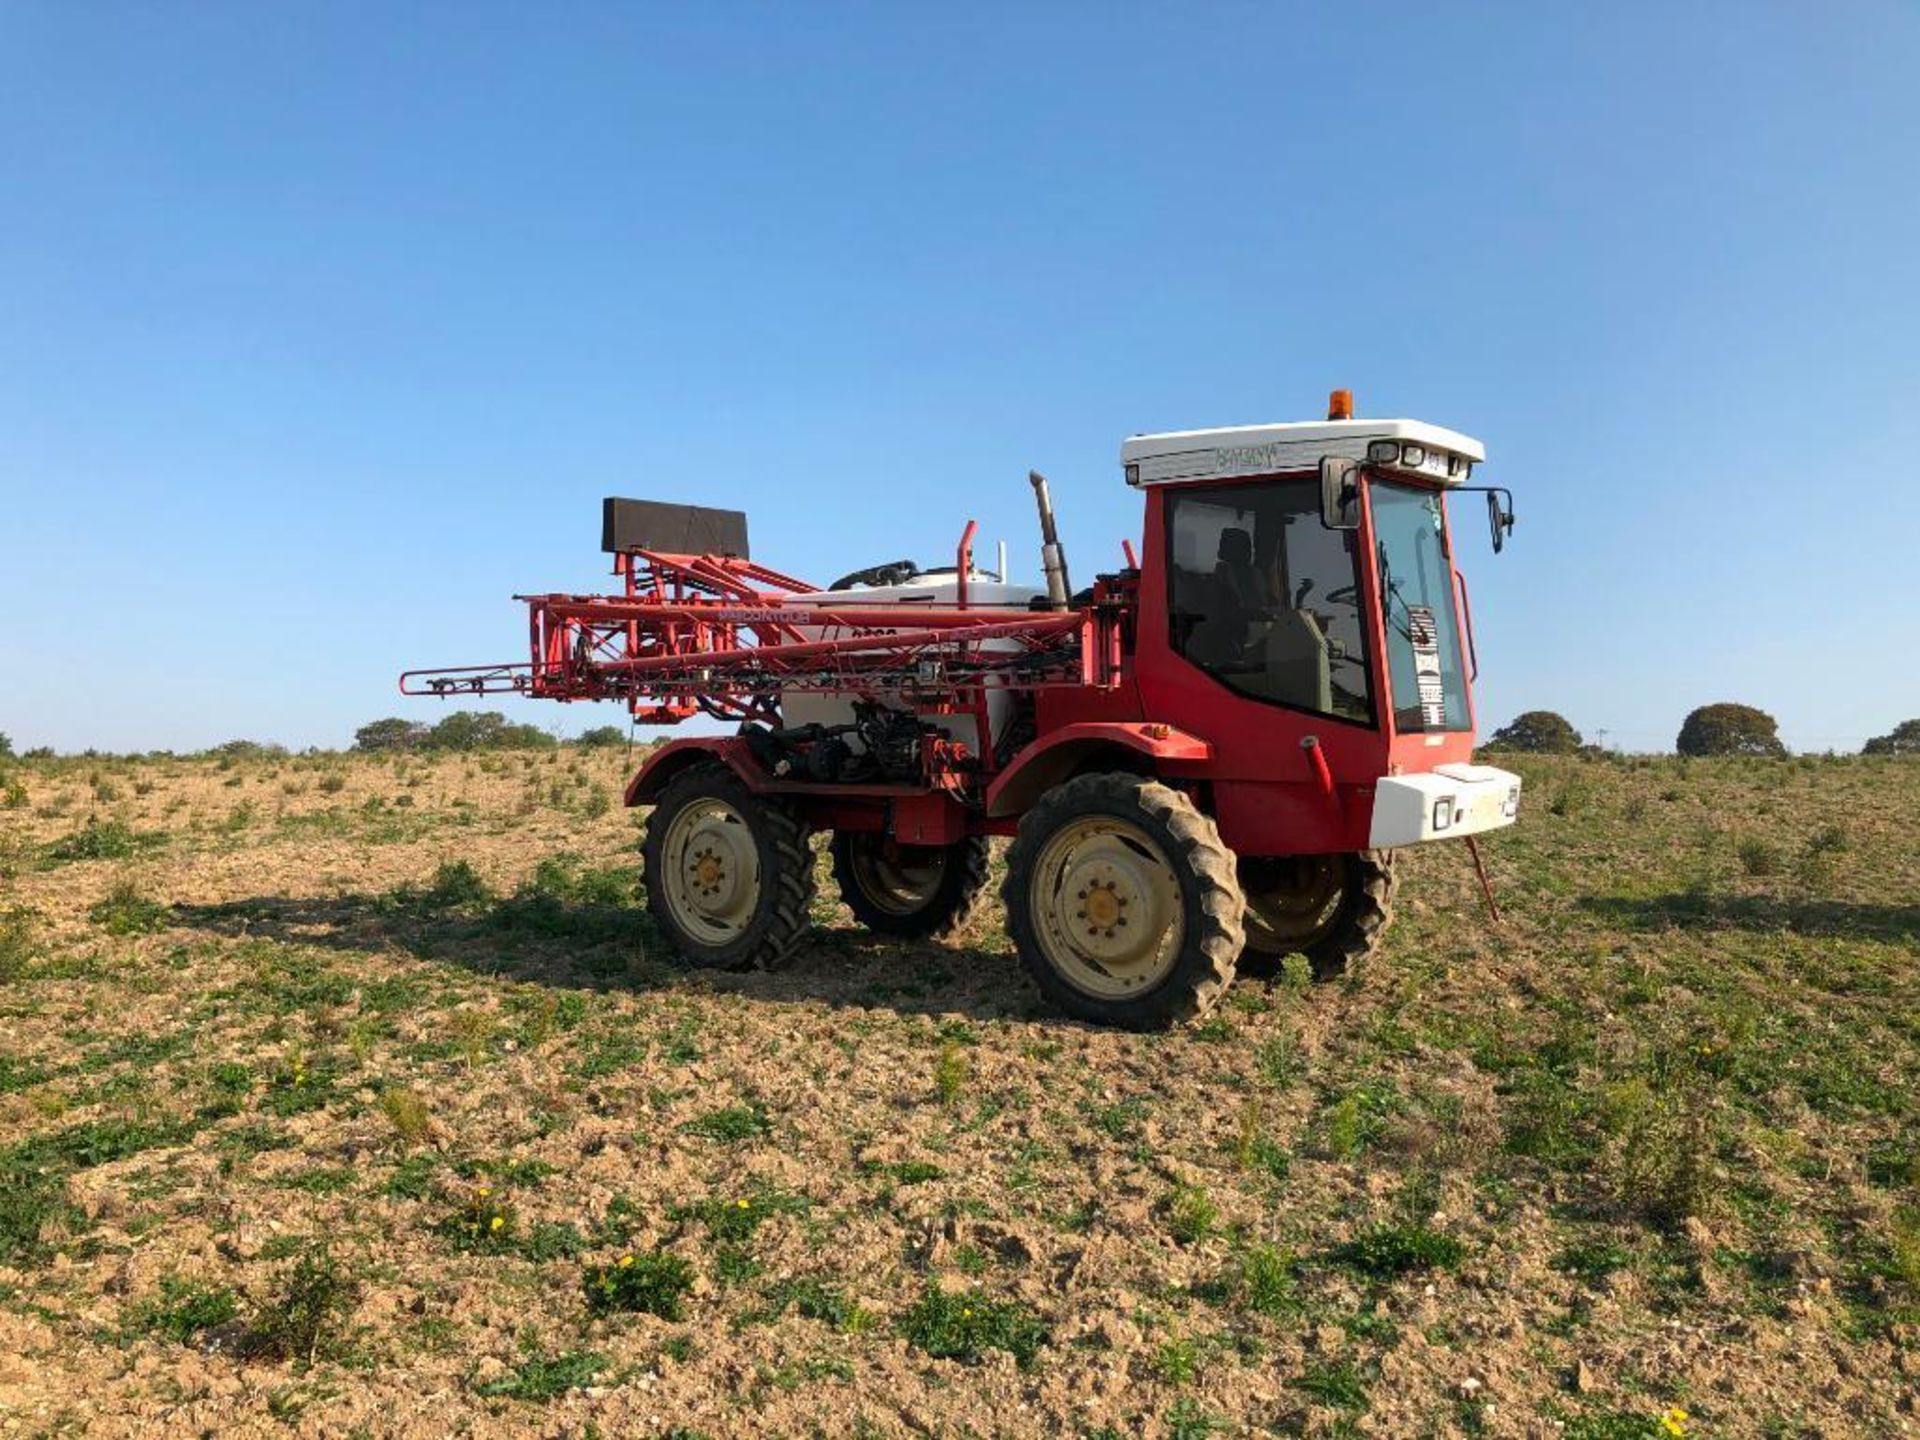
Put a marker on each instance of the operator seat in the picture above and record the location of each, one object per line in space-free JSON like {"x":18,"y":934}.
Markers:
{"x":1234,"y":573}
{"x":1233,"y":601}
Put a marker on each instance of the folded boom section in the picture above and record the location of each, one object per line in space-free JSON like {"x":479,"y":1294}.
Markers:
{"x":723,"y":636}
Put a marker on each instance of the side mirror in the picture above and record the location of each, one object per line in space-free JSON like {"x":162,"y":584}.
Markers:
{"x":1500,"y":517}
{"x":1339,"y":493}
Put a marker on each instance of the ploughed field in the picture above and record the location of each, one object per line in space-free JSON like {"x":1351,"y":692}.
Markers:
{"x":349,"y":1095}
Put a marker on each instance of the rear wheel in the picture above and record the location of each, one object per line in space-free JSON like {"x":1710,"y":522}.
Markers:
{"x":729,"y":874}
{"x":1123,"y":903}
{"x":1333,"y":909}
{"x":910,"y":890}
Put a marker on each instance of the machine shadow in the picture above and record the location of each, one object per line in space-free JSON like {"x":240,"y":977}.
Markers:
{"x":1693,"y":910}
{"x":566,"y":945}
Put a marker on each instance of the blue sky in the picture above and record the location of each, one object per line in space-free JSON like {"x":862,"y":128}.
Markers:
{"x":323,"y":328}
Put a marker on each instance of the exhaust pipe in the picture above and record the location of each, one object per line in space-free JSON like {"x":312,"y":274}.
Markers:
{"x":1053,"y":559}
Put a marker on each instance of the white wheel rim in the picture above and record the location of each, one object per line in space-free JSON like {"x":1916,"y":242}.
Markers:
{"x":1106,"y":908}
{"x":712,"y":871}
{"x":902,"y":885}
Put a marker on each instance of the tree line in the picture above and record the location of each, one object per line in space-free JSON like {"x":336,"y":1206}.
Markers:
{"x":1723,"y":728}
{"x":460,"y":730}
{"x":471,"y":730}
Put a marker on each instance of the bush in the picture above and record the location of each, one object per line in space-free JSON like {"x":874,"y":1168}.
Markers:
{"x":601,"y":736}
{"x":311,"y":1300}
{"x":391,"y":733}
{"x":1542,"y":732}
{"x":1903,"y":739}
{"x":1730,"y":729}
{"x":486,"y":730}
{"x":1758,"y":857}
{"x":1664,"y":1145}
{"x":457,"y":885}
{"x":6,"y":745}
{"x":247,"y":750}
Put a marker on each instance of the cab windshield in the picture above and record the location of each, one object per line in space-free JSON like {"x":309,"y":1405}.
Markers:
{"x":1264,"y":598}
{"x":1415,"y":577}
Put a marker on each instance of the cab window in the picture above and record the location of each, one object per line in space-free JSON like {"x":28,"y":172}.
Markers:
{"x":1263,"y":597}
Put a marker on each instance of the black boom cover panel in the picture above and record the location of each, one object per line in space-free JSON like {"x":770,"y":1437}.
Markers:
{"x":671,"y":529}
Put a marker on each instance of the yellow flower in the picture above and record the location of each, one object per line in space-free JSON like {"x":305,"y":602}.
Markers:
{"x":966,"y":1311}
{"x":1674,"y":1422}
{"x":743,"y":1204}
{"x":485,"y":1191}
{"x":498,"y":1221}
{"x":626,"y":1260}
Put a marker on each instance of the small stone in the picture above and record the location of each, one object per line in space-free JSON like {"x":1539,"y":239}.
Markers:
{"x":1583,"y":1381}
{"x":1470,"y":1387}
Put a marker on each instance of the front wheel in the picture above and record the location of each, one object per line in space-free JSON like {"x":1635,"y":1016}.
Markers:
{"x":1333,"y":909}
{"x":913,"y":891}
{"x":729,"y":873}
{"x":1122,"y":902}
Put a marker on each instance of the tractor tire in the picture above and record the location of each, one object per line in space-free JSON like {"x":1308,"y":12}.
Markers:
{"x":1123,"y":903}
{"x":1333,"y":909}
{"x":729,"y":874}
{"x":916,"y":891}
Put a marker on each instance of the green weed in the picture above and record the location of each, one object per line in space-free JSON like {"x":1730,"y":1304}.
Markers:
{"x":731,"y":1124}
{"x":1339,"y":1384}
{"x":1191,"y":1214}
{"x":966,"y":1325}
{"x":406,"y":1111}
{"x":735,"y":1219}
{"x":102,"y":840}
{"x":125,"y":911}
{"x":540,"y":1378}
{"x":651,"y":1284}
{"x":483,"y":1223}
{"x":950,"y":1073}
{"x":19,"y":941}
{"x":184,"y":1308}
{"x":1386,"y":1251}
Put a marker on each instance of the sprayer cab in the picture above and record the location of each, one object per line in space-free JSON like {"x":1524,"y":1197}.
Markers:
{"x":1203,"y":761}
{"x":1300,"y":593}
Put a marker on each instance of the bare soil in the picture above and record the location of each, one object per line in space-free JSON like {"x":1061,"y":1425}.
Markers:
{"x":1641,"y":1161}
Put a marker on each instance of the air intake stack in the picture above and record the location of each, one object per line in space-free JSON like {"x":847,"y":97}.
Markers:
{"x":1053,"y":559}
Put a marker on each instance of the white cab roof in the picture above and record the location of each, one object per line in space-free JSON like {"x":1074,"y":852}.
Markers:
{"x":1261,"y":449}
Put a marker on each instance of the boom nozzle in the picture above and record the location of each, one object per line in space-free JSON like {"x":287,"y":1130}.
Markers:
{"x":1053,"y":558}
